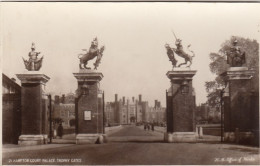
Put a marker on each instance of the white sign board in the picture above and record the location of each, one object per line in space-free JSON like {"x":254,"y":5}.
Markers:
{"x":87,"y":115}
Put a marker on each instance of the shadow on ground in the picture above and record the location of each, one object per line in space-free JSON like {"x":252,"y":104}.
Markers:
{"x":244,"y":149}
{"x":136,"y":141}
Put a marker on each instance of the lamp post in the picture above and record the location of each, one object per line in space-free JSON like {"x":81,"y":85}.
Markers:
{"x":50,"y":109}
{"x":221,"y":112}
{"x":103,"y":98}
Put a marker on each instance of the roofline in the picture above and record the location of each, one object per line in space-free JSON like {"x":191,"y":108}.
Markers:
{"x":6,"y":78}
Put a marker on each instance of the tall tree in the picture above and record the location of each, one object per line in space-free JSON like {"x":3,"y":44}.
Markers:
{"x":219,"y":65}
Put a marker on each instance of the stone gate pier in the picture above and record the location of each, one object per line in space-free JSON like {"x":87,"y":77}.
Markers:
{"x":240,"y":106}
{"x":34,"y":108}
{"x":180,"y":106}
{"x":89,"y":107}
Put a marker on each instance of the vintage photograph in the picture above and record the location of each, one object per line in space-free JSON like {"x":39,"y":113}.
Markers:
{"x":130,"y":83}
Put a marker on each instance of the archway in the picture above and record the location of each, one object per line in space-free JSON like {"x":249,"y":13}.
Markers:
{"x":132,"y":119}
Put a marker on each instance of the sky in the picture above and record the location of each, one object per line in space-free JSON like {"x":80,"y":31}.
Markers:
{"x":134,"y":34}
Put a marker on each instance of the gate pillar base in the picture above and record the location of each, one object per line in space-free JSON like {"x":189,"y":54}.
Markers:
{"x":239,"y":137}
{"x":229,"y":136}
{"x":90,"y":107}
{"x":32,"y":140}
{"x":181,"y":106}
{"x":180,"y":137}
{"x":90,"y":138}
{"x":34,"y":108}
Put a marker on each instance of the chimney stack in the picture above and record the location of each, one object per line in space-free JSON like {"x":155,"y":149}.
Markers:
{"x":133,"y":98}
{"x":159,"y":104}
{"x":57,"y":99}
{"x":155,"y":103}
{"x":115,"y":97}
{"x":124,"y":100}
{"x":63,"y":99}
{"x":140,"y":98}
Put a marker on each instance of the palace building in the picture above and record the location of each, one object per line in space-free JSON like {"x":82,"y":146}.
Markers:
{"x":129,"y":111}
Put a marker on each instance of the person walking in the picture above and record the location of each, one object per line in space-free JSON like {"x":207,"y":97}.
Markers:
{"x":54,"y":134}
{"x":60,"y":130}
{"x":54,"y":130}
{"x":152,"y":126}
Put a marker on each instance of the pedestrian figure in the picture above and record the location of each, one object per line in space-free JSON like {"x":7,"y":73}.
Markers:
{"x":144,"y":126}
{"x":60,"y":130}
{"x":54,"y":133}
{"x":148,"y":126}
{"x":152,"y":126}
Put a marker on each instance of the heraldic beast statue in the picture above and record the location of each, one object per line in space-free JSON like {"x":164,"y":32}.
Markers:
{"x":180,"y":52}
{"x":91,"y":54}
{"x":34,"y":63}
{"x":235,"y":57}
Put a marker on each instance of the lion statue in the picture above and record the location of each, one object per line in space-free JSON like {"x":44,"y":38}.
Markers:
{"x":170,"y":54}
{"x":91,"y":54}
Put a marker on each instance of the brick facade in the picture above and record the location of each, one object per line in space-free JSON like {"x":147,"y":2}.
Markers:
{"x":34,"y":104}
{"x":92,"y":101}
{"x":183,"y":109}
{"x":241,"y":106}
{"x":11,"y":110}
{"x":11,"y":118}
{"x":180,"y":102}
{"x":64,"y":108}
{"x":132,"y":111}
{"x":32,"y":109}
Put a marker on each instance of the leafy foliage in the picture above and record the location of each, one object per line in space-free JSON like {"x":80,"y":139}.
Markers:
{"x":218,"y":63}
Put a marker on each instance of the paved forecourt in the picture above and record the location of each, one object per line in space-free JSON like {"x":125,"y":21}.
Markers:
{"x":133,"y":145}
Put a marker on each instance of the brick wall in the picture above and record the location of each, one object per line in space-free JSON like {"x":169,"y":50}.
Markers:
{"x":93,"y":103}
{"x":183,"y":106}
{"x":241,"y":108}
{"x":240,"y":104}
{"x":169,"y":114}
{"x":31,"y":108}
{"x":11,"y":118}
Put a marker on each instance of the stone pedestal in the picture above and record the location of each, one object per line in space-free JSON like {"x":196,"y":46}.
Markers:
{"x":89,"y":105}
{"x":180,"y":107}
{"x":34,"y":108}
{"x":178,"y":137}
{"x":91,"y":138}
{"x":238,"y":108}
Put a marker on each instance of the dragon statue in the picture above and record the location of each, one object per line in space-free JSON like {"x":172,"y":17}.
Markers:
{"x":91,"y":54}
{"x":34,"y":63}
